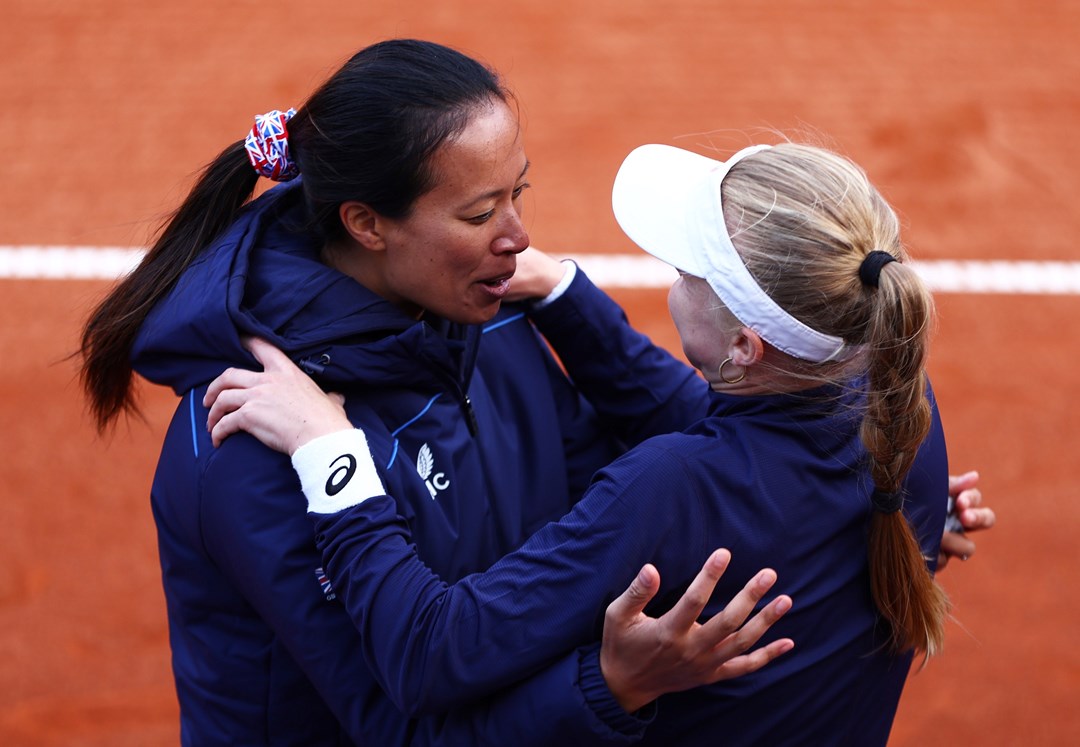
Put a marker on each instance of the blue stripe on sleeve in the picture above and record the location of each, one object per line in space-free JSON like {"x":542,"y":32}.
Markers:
{"x":194,"y":433}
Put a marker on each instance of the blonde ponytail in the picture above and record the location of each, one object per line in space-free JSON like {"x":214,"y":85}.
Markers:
{"x":804,"y":220}
{"x":896,"y":421}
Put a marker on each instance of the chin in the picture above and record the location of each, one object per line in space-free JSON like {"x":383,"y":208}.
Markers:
{"x":474,"y":315}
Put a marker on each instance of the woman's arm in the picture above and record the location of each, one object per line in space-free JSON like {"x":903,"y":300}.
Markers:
{"x":457,"y":647}
{"x":260,"y":539}
{"x":464,"y":641}
{"x":637,"y":387}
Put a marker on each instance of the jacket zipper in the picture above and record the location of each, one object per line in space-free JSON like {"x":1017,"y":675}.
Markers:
{"x":470,"y":415}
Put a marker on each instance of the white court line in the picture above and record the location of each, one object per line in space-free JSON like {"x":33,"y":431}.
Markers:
{"x":67,"y":262}
{"x":943,"y":276}
{"x":606,"y":270}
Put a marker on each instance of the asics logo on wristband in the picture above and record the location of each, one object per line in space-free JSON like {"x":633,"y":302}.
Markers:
{"x":340,"y":477}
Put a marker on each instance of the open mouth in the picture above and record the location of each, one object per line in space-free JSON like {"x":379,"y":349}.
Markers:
{"x":498,"y":286}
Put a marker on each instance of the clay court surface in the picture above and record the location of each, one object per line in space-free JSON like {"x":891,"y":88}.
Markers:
{"x":965,"y":113}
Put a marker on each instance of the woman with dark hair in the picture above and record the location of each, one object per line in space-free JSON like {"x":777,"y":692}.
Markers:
{"x":378,"y":268}
{"x":822,"y":453}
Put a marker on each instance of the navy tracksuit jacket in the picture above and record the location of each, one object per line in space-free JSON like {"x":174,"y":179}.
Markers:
{"x":479,"y":435}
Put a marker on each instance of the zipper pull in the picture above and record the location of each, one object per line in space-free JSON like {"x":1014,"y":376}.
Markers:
{"x":313,"y":367}
{"x":470,"y":415}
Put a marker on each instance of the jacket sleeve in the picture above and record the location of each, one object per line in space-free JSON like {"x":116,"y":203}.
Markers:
{"x":255,"y":528}
{"x":637,"y":387}
{"x":566,"y":704}
{"x":464,"y":641}
{"x":930,"y":469}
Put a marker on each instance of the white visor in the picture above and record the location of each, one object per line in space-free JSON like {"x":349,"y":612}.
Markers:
{"x":667,"y":200}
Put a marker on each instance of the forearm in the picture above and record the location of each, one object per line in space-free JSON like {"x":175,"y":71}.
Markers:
{"x":274,"y":573}
{"x":637,"y":386}
{"x":464,"y":642}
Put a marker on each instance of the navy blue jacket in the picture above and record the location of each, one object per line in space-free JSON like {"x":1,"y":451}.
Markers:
{"x":481,"y":444}
{"x":779,"y":480}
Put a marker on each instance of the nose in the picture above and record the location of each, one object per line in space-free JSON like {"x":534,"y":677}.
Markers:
{"x":512,"y":238}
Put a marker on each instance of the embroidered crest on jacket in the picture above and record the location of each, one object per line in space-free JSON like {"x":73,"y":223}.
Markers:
{"x":425,"y":466}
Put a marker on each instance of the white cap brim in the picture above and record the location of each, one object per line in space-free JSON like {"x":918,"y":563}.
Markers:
{"x":651,"y":198}
{"x":668,"y":201}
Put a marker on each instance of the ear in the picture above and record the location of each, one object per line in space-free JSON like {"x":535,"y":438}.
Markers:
{"x":363,"y":224}
{"x":747,"y":348}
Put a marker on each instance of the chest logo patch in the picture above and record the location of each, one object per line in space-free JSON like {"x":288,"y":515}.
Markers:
{"x":425,"y":467}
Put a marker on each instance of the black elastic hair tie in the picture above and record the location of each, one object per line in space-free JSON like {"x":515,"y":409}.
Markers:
{"x":870,"y":269}
{"x":887,"y":503}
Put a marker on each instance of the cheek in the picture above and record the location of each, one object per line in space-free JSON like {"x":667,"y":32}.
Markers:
{"x":673,"y":301}
{"x":700,"y":342}
{"x":462,"y":254}
{"x":692,"y":349}
{"x":680,"y":307}
{"x":430,"y":251}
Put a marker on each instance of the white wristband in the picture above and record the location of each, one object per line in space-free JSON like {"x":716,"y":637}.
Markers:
{"x":337,"y":472}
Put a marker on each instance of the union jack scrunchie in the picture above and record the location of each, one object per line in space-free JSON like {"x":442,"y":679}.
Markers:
{"x":267,"y":146}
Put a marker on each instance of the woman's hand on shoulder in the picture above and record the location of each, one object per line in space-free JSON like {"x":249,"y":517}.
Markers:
{"x":280,"y":405}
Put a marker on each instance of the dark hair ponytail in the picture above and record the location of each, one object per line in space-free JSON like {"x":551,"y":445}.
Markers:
{"x":221,"y":190}
{"x":366,"y":134}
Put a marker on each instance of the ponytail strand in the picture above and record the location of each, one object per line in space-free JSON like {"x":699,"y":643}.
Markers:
{"x":109,"y":334}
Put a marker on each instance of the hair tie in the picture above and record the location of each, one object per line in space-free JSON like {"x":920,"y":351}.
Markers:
{"x":870,"y":269}
{"x":887,"y":503}
{"x":267,"y":146}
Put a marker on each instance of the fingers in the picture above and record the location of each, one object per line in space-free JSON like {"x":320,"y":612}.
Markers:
{"x":223,"y":427}
{"x":739,"y":608}
{"x":689,"y":607}
{"x":969,"y":498}
{"x":960,"y":483}
{"x":726,"y":632}
{"x":632,"y":602}
{"x":231,"y":378}
{"x":269,"y":356}
{"x":728,"y":652}
{"x":224,"y":402}
{"x":956,"y":545}
{"x":972,"y":514}
{"x":969,"y":509}
{"x":754,"y":660}
{"x":975,"y":519}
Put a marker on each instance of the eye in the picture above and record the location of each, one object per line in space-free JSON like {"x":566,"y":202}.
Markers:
{"x":485,"y":217}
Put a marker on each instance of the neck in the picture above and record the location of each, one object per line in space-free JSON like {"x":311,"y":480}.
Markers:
{"x":366,"y":267}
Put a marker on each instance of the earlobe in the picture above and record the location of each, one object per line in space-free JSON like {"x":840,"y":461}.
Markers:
{"x":747,"y":348}
{"x":362,"y":224}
